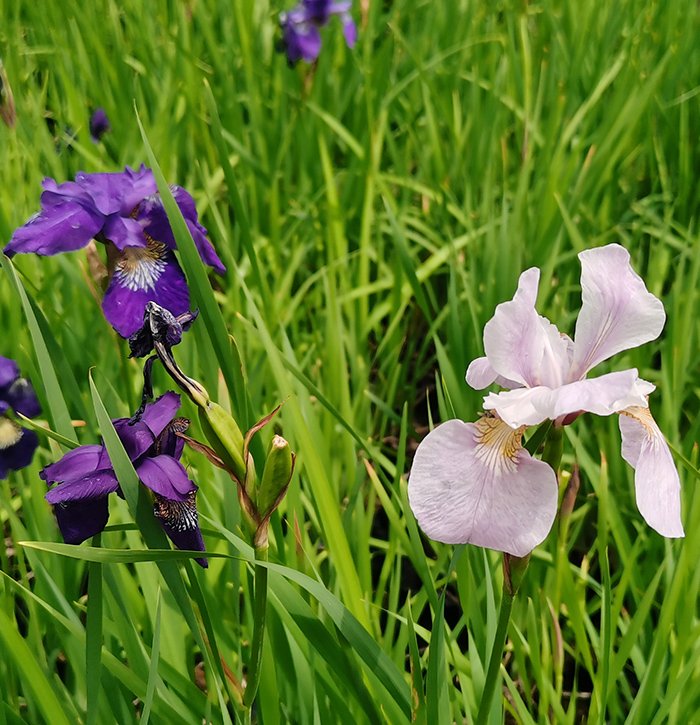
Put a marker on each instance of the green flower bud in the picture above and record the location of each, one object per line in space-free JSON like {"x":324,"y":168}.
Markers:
{"x":276,"y":476}
{"x":225,"y":438}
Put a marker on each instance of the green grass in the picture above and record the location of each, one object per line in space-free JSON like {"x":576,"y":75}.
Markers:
{"x":372,"y":212}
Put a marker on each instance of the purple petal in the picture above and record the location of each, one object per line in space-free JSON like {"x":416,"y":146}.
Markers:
{"x":618,"y":313}
{"x":75,"y":464}
{"x":63,"y":228}
{"x":99,"y":124}
{"x":180,"y":522}
{"x":21,"y":396}
{"x":94,"y":485}
{"x":301,"y":41}
{"x":473,"y":483}
{"x":19,"y":454}
{"x":141,"y":279}
{"x":123,"y":232}
{"x":656,"y":480}
{"x":349,"y":30}
{"x":9,"y":371}
{"x":604,"y":395}
{"x":79,"y":520}
{"x":522,"y":346}
{"x":159,"y":414}
{"x":166,"y":477}
{"x":480,"y":375}
{"x":137,"y":438}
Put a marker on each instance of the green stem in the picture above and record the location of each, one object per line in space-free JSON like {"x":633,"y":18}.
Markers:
{"x":260,"y":611}
{"x":495,"y":658}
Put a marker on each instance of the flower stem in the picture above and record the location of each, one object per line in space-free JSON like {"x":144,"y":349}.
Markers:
{"x":496,"y":654}
{"x":259,"y":613}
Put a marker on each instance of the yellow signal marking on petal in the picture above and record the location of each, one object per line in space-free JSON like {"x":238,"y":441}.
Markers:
{"x":497,"y":444}
{"x":643,"y":416}
{"x":138,"y":268}
{"x":10,"y":433}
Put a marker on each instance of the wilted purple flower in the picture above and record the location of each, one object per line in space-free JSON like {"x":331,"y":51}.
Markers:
{"x":124,"y":211}
{"x":85,"y":478}
{"x":17,"y":444}
{"x":473,"y":482}
{"x":99,"y":124}
{"x":301,"y":39}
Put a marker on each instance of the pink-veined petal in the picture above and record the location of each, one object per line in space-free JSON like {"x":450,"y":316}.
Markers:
{"x":523,"y":346}
{"x":474,"y":483}
{"x":603,"y":395}
{"x":656,"y":480}
{"x":618,"y":312}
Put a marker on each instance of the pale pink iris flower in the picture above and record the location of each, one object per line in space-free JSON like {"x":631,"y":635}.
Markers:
{"x":475,"y":483}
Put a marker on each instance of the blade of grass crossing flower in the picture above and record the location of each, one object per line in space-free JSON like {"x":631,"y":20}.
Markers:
{"x":54,"y":397}
{"x":153,"y":669}
{"x":226,"y":354}
{"x":436,"y":695}
{"x":93,"y":641}
{"x":31,"y":673}
{"x":153,"y":534}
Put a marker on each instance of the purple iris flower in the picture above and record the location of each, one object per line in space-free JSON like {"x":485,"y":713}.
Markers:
{"x":17,"y":444}
{"x":124,"y":211}
{"x":301,"y":39}
{"x":85,"y":478}
{"x":99,"y":124}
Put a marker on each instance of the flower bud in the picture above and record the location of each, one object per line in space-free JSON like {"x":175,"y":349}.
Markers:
{"x":225,"y":438}
{"x":279,"y":466}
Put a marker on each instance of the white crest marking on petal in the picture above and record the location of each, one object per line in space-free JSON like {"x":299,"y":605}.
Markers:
{"x":139,"y":268}
{"x":497,"y":445}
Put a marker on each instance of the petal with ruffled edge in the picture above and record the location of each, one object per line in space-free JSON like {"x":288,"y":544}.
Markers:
{"x":166,"y":477}
{"x":141,"y":276}
{"x":79,"y":520}
{"x":20,"y":453}
{"x":93,"y":485}
{"x":523,"y":346}
{"x":474,"y":483}
{"x":62,"y":228}
{"x":180,"y":522}
{"x":74,"y":464}
{"x":9,"y":371}
{"x":603,"y":395}
{"x":618,"y":312}
{"x":656,"y":480}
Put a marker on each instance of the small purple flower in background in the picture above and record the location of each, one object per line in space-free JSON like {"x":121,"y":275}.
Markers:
{"x":475,"y":483}
{"x":301,"y":39}
{"x":17,"y":444}
{"x":85,"y":478}
{"x":124,"y":211}
{"x":99,"y":124}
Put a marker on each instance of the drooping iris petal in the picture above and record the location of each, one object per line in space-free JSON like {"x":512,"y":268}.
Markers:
{"x":522,"y":346}
{"x":80,"y":520}
{"x":166,"y":477}
{"x":474,"y":483}
{"x":62,"y":228}
{"x":20,"y":453}
{"x":180,"y":522}
{"x":141,"y":276}
{"x":93,"y":485}
{"x":480,"y":375}
{"x":656,"y":480}
{"x":603,"y":395}
{"x":9,"y":371}
{"x":74,"y":464}
{"x":618,"y":312}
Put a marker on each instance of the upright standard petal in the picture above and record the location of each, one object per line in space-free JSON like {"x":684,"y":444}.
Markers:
{"x":480,"y":375}
{"x":522,"y":346}
{"x":656,"y":480}
{"x":159,"y":414}
{"x":474,"y":483}
{"x":618,"y":312}
{"x":9,"y":371}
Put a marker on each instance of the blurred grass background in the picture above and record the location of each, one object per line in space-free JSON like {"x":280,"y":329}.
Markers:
{"x":385,"y":201}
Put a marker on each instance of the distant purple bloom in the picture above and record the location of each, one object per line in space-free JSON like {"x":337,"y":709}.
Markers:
{"x":124,"y":211}
{"x":99,"y":124}
{"x":301,"y":39}
{"x":17,"y":444}
{"x":85,"y":478}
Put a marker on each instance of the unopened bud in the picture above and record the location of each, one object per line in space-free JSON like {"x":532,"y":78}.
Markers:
{"x":225,"y":437}
{"x":279,"y":466}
